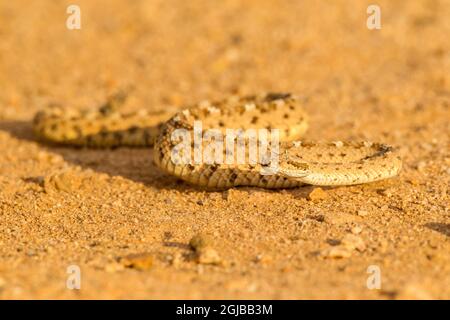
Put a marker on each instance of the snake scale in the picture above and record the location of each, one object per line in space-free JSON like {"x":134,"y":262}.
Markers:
{"x":298,"y":162}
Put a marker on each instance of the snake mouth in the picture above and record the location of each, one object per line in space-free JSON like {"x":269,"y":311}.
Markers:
{"x":293,"y":169}
{"x":293,"y":174}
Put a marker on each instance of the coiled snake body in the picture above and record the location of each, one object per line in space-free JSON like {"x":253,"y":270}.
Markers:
{"x":298,"y":162}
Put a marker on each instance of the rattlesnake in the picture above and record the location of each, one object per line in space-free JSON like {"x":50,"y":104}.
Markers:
{"x":299,"y":162}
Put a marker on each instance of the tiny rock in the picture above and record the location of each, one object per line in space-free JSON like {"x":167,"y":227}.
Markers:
{"x":421,"y":166}
{"x":414,"y":182}
{"x":353,"y":242}
{"x":263,"y":259}
{"x":208,"y":255}
{"x":356,"y":230}
{"x":114,"y":267}
{"x":337,"y":252}
{"x":205,"y":253}
{"x":66,"y":182}
{"x":385,"y":192}
{"x":176,"y":260}
{"x":200,"y":241}
{"x":317,"y":194}
{"x":140,"y":261}
{"x":168,"y":201}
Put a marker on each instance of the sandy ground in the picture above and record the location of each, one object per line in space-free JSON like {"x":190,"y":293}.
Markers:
{"x":94,"y":208}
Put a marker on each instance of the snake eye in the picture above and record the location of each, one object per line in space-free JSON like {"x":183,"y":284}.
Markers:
{"x":276,"y":96}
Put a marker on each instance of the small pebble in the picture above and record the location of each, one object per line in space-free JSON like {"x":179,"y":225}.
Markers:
{"x":263,"y":259}
{"x":317,"y":194}
{"x":114,"y":267}
{"x":31,"y":253}
{"x":421,"y":166}
{"x":139,"y":261}
{"x":353,"y":242}
{"x":205,"y":253}
{"x":200,"y":241}
{"x":414,"y":182}
{"x":66,"y":182}
{"x":385,"y":192}
{"x":208,"y":255}
{"x":168,"y":201}
{"x":337,"y":252}
{"x":356,"y":230}
{"x":176,"y":260}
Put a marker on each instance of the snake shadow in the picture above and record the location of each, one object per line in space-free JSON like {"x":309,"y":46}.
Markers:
{"x":135,"y":164}
{"x":443,"y":228}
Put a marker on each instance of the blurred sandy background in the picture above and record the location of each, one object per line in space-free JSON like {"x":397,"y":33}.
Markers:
{"x":390,"y":85}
